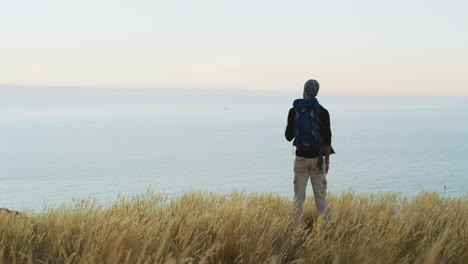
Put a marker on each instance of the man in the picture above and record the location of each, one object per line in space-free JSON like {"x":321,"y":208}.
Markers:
{"x":313,"y":152}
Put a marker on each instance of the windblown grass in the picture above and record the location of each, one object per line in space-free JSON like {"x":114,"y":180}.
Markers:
{"x":240,"y":228}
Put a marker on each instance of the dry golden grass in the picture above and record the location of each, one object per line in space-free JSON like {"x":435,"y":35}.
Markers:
{"x":240,"y":228}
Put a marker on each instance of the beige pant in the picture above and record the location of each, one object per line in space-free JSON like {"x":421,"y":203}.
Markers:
{"x":303,"y":169}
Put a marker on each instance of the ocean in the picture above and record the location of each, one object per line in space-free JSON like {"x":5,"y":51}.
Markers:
{"x":61,"y":143}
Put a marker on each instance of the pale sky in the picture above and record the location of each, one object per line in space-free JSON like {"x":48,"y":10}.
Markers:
{"x":377,"y":47}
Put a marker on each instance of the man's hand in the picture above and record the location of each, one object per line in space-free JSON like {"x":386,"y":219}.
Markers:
{"x":327,"y":158}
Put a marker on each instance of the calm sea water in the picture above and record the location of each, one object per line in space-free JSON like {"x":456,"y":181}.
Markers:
{"x":59,"y":144}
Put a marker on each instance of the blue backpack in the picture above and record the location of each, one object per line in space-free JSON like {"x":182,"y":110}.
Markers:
{"x":306,"y":126}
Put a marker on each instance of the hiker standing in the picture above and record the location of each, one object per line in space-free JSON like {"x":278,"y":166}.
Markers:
{"x":309,"y":126}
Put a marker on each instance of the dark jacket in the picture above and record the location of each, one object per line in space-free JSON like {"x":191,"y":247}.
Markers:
{"x":325,"y":132}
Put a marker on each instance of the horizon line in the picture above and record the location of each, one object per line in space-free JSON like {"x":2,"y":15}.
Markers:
{"x":228,"y":89}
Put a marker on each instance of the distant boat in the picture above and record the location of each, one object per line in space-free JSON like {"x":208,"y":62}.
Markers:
{"x":226,"y":108}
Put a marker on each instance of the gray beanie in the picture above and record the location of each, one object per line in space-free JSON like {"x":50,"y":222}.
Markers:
{"x":311,"y":88}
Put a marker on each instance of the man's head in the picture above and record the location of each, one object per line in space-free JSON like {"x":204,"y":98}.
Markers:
{"x":311,"y":88}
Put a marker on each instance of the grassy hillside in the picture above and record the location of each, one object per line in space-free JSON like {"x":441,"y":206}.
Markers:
{"x":240,"y":228}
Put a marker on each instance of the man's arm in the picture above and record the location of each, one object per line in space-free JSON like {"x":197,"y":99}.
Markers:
{"x":326,"y":134}
{"x":289,"y":133}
